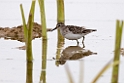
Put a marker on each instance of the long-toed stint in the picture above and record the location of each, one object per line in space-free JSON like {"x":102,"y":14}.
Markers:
{"x":72,"y":32}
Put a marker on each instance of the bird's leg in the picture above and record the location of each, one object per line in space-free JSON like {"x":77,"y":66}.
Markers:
{"x":83,"y":39}
{"x":83,"y":42}
{"x":77,"y":42}
{"x":83,"y":45}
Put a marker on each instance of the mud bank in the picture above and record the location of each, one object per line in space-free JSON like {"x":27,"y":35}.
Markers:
{"x":17,"y":33}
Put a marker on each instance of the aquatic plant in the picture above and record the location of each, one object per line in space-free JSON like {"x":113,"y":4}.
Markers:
{"x":28,"y":30}
{"x":113,"y":63}
{"x":28,"y":40}
{"x":60,"y":15}
{"x":44,"y":41}
{"x":115,"y":71}
{"x":60,"y":18}
{"x":43,"y":19}
{"x":105,"y":68}
{"x":29,"y":72}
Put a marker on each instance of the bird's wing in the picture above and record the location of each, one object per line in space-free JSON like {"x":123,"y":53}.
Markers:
{"x":75,"y":29}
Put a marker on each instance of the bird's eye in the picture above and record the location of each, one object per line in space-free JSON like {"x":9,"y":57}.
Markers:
{"x":59,"y":25}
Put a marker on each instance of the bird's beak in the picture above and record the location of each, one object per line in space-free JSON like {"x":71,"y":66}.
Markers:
{"x":54,"y":29}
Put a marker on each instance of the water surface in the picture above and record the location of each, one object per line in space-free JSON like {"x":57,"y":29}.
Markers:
{"x":101,"y":15}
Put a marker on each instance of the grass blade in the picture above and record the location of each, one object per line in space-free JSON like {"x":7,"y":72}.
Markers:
{"x":24,"y":22}
{"x":105,"y":68}
{"x":32,"y":9}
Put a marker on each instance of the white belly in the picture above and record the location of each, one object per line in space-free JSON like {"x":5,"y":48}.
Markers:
{"x":71,"y":36}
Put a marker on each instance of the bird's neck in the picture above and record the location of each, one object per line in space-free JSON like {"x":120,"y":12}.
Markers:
{"x":62,"y":27}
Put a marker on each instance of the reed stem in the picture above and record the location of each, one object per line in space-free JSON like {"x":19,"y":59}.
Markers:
{"x":29,"y":72}
{"x":28,"y":30}
{"x":43,"y":19}
{"x":29,"y":40}
{"x":115,"y":71}
{"x":44,"y":60}
{"x":60,"y":15}
{"x":44,"y":41}
{"x":24,"y":23}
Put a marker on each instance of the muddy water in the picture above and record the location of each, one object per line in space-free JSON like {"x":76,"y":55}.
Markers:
{"x":100,"y":15}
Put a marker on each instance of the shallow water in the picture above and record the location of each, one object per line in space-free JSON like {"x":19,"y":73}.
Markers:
{"x":100,"y":15}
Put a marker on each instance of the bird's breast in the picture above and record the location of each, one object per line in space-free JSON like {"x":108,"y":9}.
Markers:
{"x":72,"y":36}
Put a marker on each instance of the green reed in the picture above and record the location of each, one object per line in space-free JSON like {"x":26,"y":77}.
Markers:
{"x":60,"y":18}
{"x":43,"y":19}
{"x":44,"y":63}
{"x":115,"y":71}
{"x":115,"y":63}
{"x":29,"y":40}
{"x":105,"y":68}
{"x":24,"y":23}
{"x":29,"y":72}
{"x":60,"y":15}
{"x":28,"y":30}
{"x":44,"y":41}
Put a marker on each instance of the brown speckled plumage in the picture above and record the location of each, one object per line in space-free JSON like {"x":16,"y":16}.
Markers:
{"x":73,"y":32}
{"x":75,"y":29}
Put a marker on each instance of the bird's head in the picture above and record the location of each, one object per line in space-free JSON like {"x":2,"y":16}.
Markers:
{"x":58,"y":25}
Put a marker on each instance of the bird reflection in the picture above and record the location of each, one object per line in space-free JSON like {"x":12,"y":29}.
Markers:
{"x":73,"y":53}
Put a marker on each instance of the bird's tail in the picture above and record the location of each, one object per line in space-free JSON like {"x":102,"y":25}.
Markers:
{"x":86,"y":31}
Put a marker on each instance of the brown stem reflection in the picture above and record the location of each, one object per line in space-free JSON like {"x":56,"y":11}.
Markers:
{"x":60,"y":44}
{"x":73,"y":53}
{"x":29,"y":74}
